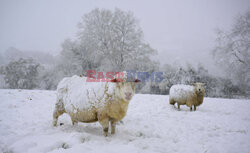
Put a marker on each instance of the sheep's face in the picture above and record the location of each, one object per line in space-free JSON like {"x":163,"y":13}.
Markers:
{"x":125,"y":89}
{"x":199,"y":88}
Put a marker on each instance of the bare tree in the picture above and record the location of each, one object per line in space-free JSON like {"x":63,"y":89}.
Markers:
{"x":232,"y":51}
{"x":114,"y":38}
{"x":21,"y":74}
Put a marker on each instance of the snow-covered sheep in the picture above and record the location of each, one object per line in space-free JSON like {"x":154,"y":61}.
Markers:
{"x":190,"y":95}
{"x":94,"y":101}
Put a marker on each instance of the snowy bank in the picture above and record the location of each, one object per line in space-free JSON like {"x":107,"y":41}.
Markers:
{"x":151,"y":125}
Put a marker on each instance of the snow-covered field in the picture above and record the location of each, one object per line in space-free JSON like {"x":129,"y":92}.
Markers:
{"x":151,"y":125}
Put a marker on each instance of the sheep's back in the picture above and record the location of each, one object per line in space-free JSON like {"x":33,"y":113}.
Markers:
{"x":180,"y":92}
{"x":77,"y":94}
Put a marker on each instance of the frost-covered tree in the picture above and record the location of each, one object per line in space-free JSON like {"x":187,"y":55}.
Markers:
{"x":49,"y":77}
{"x":21,"y":74}
{"x":14,"y":54}
{"x":232,"y":51}
{"x":113,"y":39}
{"x":2,"y":60}
{"x":2,"y":82}
{"x":77,"y":58}
{"x":106,"y":41}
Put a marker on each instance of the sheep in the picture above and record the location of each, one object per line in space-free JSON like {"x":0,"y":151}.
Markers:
{"x":190,"y":95}
{"x":94,"y":101}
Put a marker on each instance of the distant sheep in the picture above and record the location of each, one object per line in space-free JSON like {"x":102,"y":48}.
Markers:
{"x":190,"y":95}
{"x":94,"y":101}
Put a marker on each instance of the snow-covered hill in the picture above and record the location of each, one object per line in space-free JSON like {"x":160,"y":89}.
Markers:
{"x":151,"y":125}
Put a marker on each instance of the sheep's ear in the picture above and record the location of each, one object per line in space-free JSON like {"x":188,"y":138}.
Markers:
{"x":203,"y":84}
{"x":193,"y":84}
{"x":137,"y":80}
{"x":114,"y":80}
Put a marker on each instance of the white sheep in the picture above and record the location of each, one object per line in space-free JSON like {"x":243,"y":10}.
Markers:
{"x":190,"y":95}
{"x":94,"y":101}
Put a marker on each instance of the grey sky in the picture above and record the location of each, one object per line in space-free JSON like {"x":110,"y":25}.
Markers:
{"x":182,"y":31}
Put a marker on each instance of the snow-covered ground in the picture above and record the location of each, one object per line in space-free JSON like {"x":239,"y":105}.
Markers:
{"x":151,"y":125}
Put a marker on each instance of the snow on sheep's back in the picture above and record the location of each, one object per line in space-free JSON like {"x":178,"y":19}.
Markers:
{"x":151,"y":125}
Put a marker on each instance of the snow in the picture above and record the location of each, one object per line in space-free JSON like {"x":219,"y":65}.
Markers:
{"x":151,"y":125}
{"x":180,"y":90}
{"x":76,"y":92}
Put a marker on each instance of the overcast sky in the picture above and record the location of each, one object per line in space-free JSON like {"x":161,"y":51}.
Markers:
{"x":181,"y":31}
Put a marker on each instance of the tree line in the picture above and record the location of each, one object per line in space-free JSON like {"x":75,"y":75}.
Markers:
{"x":113,"y":41}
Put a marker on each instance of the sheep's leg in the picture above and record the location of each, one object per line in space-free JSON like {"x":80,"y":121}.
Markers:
{"x":194,"y":108}
{"x":104,"y":121}
{"x":56,"y":114}
{"x":113,"y":124}
{"x":105,"y":125}
{"x":191,"y":108}
{"x":59,"y":110}
{"x":179,"y":106}
{"x":74,"y":122}
{"x":171,"y":101}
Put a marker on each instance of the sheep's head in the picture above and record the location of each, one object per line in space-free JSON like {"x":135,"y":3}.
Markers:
{"x":125,"y":89}
{"x":199,"y":88}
